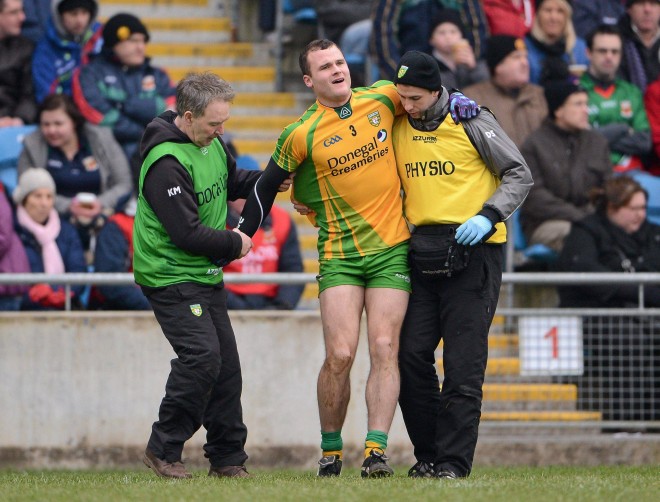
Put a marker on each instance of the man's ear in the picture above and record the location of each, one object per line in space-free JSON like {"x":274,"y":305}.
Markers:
{"x":308,"y":81}
{"x":187,"y":117}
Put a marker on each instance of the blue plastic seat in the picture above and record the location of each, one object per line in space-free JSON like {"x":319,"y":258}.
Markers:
{"x":303,"y":15}
{"x":652,"y":185}
{"x":539,"y":253}
{"x":11,"y":145}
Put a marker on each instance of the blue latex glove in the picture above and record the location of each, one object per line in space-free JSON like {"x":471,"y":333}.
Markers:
{"x":462,"y":107}
{"x":473,"y":230}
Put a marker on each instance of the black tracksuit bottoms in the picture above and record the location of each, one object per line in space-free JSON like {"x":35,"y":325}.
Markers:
{"x":443,"y":426}
{"x":205,"y":383}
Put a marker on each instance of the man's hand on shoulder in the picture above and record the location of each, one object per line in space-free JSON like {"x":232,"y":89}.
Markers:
{"x":461,"y":107}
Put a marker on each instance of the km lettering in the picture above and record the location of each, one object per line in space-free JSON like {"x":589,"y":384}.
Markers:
{"x":171,"y":192}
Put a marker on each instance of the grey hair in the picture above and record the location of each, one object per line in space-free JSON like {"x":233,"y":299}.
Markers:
{"x":196,"y":91}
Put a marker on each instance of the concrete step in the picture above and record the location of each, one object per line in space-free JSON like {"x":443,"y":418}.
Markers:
{"x":274,"y":124}
{"x":246,"y":79}
{"x":185,"y":30}
{"x":166,"y":8}
{"x":529,"y":392}
{"x":541,"y":416}
{"x":271,"y":103}
{"x":497,"y":366}
{"x":499,"y":345}
{"x":311,"y":266}
{"x":258,"y":127}
{"x":254,"y":146}
{"x":205,"y":54}
{"x":512,"y":405}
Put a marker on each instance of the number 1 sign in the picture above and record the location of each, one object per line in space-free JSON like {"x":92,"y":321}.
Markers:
{"x":550,"y":345}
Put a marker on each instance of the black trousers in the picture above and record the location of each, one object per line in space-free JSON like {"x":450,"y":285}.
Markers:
{"x":443,"y":426}
{"x":205,"y":383}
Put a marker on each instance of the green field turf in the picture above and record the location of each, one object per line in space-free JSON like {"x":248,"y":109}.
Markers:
{"x":528,"y":484}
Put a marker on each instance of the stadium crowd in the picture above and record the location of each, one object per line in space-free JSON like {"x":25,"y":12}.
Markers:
{"x":585,"y":75}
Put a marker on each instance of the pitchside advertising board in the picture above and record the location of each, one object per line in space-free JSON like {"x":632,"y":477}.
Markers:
{"x":550,"y":345}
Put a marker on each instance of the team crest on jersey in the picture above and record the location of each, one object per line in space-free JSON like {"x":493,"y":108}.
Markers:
{"x":204,"y":150}
{"x":402,"y":71}
{"x":374,"y":118}
{"x":626,"y":109}
{"x":148,"y":83}
{"x":344,"y":111}
{"x":90,"y":163}
{"x":196,"y":309}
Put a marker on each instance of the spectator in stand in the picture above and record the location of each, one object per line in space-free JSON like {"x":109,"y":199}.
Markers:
{"x":52,"y":245}
{"x":616,"y":107}
{"x":17,"y":106}
{"x":337,"y":15}
{"x":552,"y":45}
{"x":37,"y":14}
{"x":620,"y":365}
{"x":459,"y":67}
{"x":134,"y":91}
{"x":652,"y":102}
{"x":519,"y":105}
{"x":275,"y":248}
{"x":72,"y":35}
{"x":400,"y":26}
{"x":640,"y":27}
{"x":13,"y":259}
{"x":509,"y":17}
{"x":616,"y":238}
{"x":82,"y":159}
{"x":114,"y":253}
{"x":589,"y":15}
{"x":567,"y":160}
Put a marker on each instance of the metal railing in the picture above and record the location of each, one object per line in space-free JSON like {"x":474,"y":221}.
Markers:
{"x":513,"y":278}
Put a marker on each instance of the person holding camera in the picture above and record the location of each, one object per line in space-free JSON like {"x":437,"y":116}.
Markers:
{"x":461,"y":182}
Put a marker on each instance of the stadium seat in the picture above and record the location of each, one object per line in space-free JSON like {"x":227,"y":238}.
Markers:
{"x":302,"y":15}
{"x":11,"y":145}
{"x":652,"y":185}
{"x":538,"y":254}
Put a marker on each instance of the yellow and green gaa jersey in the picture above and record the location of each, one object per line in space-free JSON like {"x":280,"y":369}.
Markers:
{"x":346,"y":172}
{"x":443,"y":176}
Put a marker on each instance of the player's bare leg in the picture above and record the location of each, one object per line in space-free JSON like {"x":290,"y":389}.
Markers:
{"x":386,"y":309}
{"x":341,"y":310}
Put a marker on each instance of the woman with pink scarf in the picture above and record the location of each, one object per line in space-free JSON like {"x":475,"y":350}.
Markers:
{"x":52,"y":245}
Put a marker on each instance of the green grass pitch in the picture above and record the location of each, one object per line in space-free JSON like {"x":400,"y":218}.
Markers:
{"x":506,"y":484}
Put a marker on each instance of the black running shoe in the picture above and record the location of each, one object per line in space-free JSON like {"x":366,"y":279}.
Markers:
{"x":422,"y":470}
{"x":375,"y":465}
{"x":446,"y":474}
{"x":329,"y":465}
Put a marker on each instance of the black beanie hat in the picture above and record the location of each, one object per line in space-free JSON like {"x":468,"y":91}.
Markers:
{"x":557,"y":92}
{"x":449,"y":16}
{"x":419,"y":70}
{"x":120,"y":27}
{"x":499,"y":47}
{"x":68,"y":5}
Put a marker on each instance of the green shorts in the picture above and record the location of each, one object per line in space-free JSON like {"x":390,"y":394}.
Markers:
{"x":387,"y":269}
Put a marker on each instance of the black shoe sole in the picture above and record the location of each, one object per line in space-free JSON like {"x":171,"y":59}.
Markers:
{"x":378,"y":473}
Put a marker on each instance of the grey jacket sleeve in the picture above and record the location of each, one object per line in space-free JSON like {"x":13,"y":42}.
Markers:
{"x":116,"y":179}
{"x":504,"y":159}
